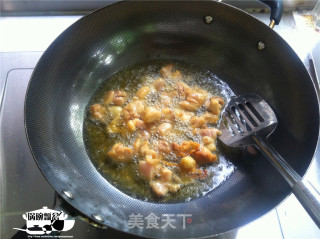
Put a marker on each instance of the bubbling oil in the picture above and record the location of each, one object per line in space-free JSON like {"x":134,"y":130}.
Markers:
{"x":125,"y":176}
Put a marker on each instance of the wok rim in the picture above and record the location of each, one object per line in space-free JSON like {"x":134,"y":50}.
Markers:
{"x":92,"y":220}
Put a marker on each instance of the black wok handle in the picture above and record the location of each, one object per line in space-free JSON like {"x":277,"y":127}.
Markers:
{"x":276,"y":7}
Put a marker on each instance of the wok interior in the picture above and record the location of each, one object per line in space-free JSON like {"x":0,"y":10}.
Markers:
{"x":109,"y":40}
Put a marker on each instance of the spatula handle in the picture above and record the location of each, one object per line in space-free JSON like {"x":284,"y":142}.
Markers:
{"x":289,"y":174}
{"x":309,"y":198}
{"x":307,"y":195}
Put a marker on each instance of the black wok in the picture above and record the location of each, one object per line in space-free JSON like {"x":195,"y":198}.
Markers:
{"x":110,"y":39}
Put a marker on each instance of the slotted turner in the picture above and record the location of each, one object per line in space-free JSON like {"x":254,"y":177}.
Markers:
{"x":249,"y":120}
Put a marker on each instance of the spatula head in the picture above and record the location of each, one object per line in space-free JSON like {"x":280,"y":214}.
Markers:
{"x":244,"y":116}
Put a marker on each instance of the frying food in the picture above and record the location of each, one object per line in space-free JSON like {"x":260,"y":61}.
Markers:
{"x":165,"y":130}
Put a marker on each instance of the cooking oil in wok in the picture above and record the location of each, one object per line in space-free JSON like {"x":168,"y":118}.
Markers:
{"x":124,"y":176}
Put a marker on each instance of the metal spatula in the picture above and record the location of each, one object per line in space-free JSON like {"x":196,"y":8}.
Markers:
{"x":249,"y":120}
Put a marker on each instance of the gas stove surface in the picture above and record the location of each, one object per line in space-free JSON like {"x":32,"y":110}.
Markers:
{"x":23,"y":187}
